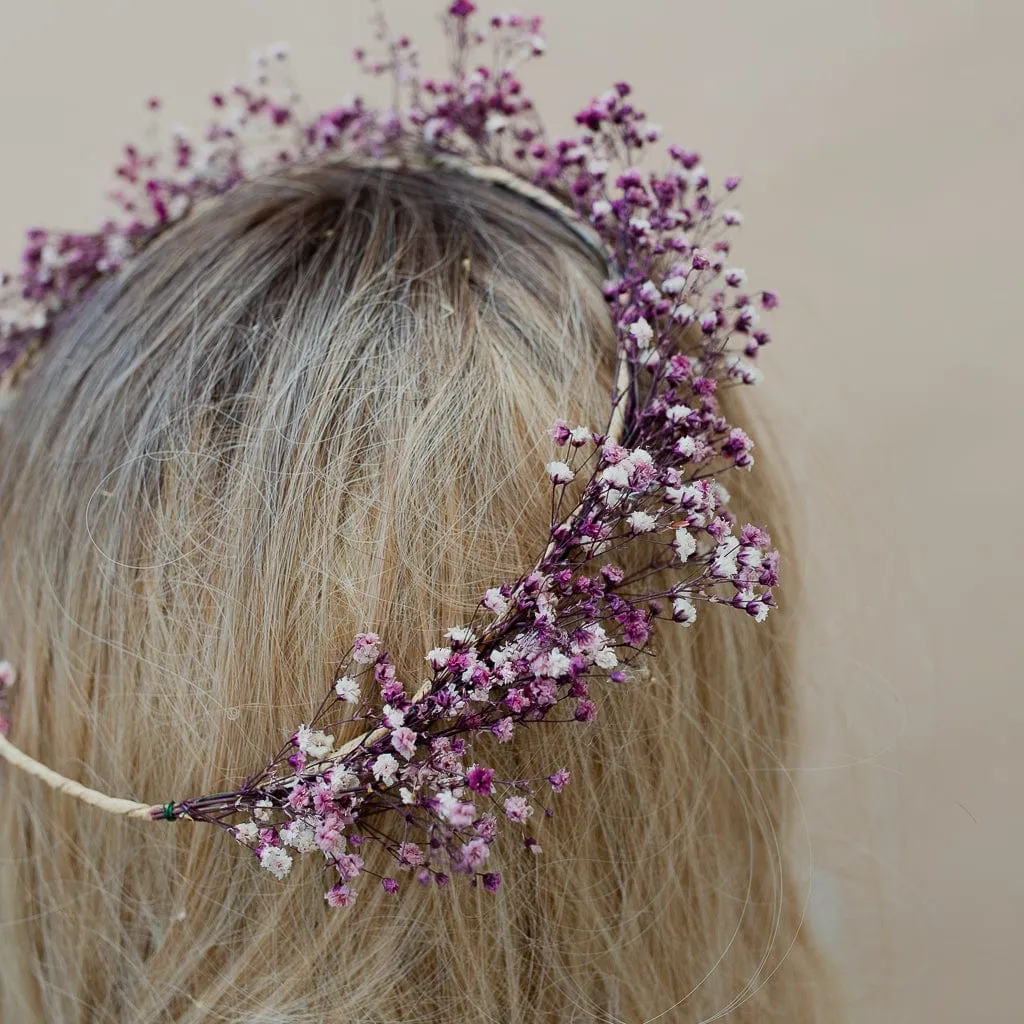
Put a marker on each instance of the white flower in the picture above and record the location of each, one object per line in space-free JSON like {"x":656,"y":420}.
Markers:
{"x":347,"y":689}
{"x":640,"y":224}
{"x":261,"y":812}
{"x":724,"y":566}
{"x":495,"y":123}
{"x":677,"y":413}
{"x":683,"y":611}
{"x":597,"y":168}
{"x":495,"y":602}
{"x":558,"y":664}
{"x":384,"y":769}
{"x":7,"y":675}
{"x":299,"y":835}
{"x":580,"y":435}
{"x":394,"y":718}
{"x":438,"y":657}
{"x":732,"y":217}
{"x":600,"y":208}
{"x":649,"y":292}
{"x":652,"y":131}
{"x":407,"y":795}
{"x":276,"y":860}
{"x":673,"y":285}
{"x":685,"y":447}
{"x":316,"y":744}
{"x":641,"y":522}
{"x":642,"y":332}
{"x":606,"y":658}
{"x":341,"y":779}
{"x":248,"y":832}
{"x":687,"y":494}
{"x":684,"y":544}
{"x":461,"y":635}
{"x":740,"y":368}
{"x":683,"y":313}
{"x":177,"y":206}
{"x":447,"y":802}
{"x":611,"y":498}
{"x":617,"y":475}
{"x":736,"y":276}
{"x":560,"y":473}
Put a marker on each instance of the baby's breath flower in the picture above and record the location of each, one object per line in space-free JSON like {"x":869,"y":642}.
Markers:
{"x":641,"y":332}
{"x":517,"y":809}
{"x":340,"y":895}
{"x":560,"y":473}
{"x":495,"y":602}
{"x":684,"y":544}
{"x":384,"y":769}
{"x":247,"y":832}
{"x":276,"y":860}
{"x":438,"y":657}
{"x":367,"y":648}
{"x":683,"y":611}
{"x":641,"y":522}
{"x":404,"y":741}
{"x":347,"y":689}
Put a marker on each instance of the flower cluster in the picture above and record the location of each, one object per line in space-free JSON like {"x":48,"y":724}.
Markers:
{"x":415,"y":780}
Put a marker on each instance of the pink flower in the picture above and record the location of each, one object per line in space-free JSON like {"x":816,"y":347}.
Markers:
{"x":390,"y":885}
{"x":367,"y":648}
{"x":517,"y":809}
{"x":349,"y":865}
{"x":7,"y":675}
{"x":492,"y":881}
{"x":474,"y":853}
{"x":340,"y":895}
{"x":410,"y":853}
{"x":585,"y":710}
{"x":404,"y":741}
{"x":560,"y":779}
{"x":494,"y":601}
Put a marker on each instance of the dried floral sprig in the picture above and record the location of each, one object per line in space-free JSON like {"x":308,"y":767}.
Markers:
{"x":415,"y":781}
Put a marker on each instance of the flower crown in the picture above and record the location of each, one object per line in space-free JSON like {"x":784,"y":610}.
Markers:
{"x":537,"y":647}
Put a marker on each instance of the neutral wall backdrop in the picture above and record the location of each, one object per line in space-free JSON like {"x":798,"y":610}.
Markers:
{"x":882,"y":146}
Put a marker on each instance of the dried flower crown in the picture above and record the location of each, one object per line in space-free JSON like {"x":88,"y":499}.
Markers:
{"x":536,"y":646}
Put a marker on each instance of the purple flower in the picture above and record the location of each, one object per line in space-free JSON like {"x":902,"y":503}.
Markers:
{"x":479,"y":779}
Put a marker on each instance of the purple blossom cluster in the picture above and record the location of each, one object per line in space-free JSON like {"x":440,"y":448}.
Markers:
{"x":415,"y":781}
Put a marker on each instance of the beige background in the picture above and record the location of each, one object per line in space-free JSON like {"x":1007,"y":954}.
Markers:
{"x":884,"y":154}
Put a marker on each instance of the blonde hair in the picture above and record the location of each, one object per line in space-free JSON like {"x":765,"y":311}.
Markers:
{"x":316,"y":407}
